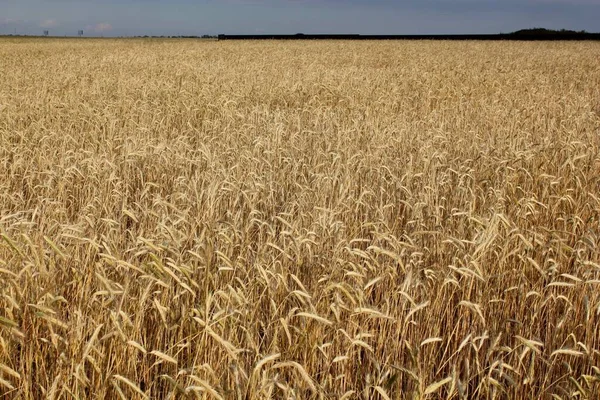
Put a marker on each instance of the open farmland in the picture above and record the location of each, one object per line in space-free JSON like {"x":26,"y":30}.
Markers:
{"x":241,"y":220}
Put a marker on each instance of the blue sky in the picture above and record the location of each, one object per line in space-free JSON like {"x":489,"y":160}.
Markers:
{"x":188,"y":17}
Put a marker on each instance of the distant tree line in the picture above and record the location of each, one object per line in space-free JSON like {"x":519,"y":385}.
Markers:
{"x":544,"y":31}
{"x":179,"y":37}
{"x":533,"y":34}
{"x":523,"y":34}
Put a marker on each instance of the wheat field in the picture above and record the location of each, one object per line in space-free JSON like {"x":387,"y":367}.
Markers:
{"x":299,"y":220}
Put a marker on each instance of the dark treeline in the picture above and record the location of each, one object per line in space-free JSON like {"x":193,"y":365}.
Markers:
{"x":534,"y":34}
{"x":179,"y":37}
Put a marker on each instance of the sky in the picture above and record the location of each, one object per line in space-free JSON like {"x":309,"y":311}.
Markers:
{"x":199,"y":17}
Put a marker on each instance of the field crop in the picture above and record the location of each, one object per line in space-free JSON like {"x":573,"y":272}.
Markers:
{"x":348,"y":220}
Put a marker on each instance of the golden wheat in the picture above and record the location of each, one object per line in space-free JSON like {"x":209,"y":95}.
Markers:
{"x":197,"y":219}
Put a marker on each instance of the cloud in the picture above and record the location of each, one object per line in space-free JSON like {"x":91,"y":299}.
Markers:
{"x":99,"y":28}
{"x":48,"y":23}
{"x":9,"y":21}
